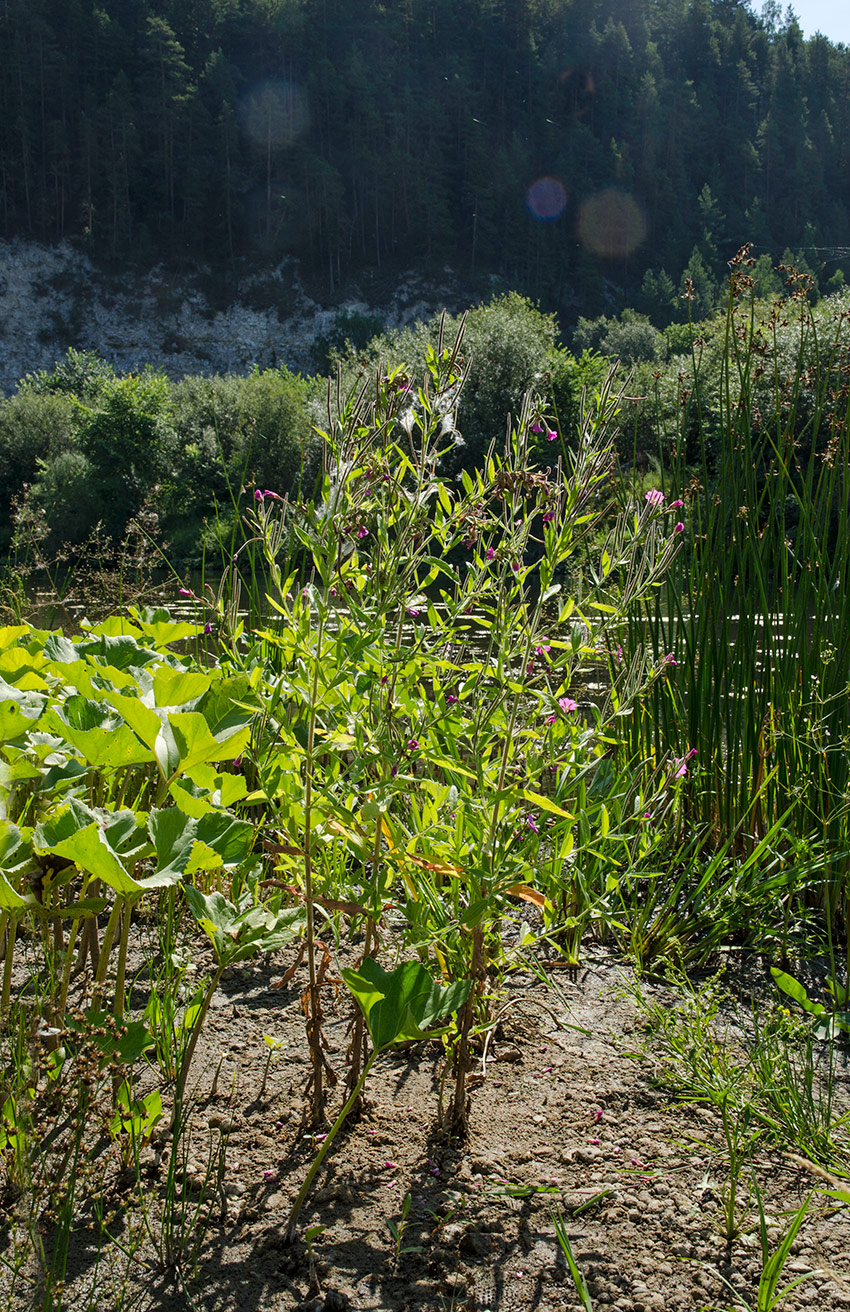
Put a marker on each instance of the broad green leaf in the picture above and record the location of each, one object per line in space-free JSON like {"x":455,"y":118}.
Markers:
{"x":59,"y":648}
{"x":401,"y":1004}
{"x":164,"y":632}
{"x":167,"y":750}
{"x":13,"y":722}
{"x":122,"y":652}
{"x":237,"y":932}
{"x":21,"y":669}
{"x":13,"y":901}
{"x":114,"y":626}
{"x":173,"y":835}
{"x":125,"y":833}
{"x":15,"y":848}
{"x":89,"y":849}
{"x":227,"y":698}
{"x":175,"y":687}
{"x":796,"y":991}
{"x":224,"y":788}
{"x":142,"y":719}
{"x":11,"y":634}
{"x":102,"y":740}
{"x":230,"y":838}
{"x":190,"y":799}
{"x":197,"y":745}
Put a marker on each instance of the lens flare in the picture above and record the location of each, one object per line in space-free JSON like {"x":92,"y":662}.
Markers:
{"x":274,"y":112}
{"x":546,"y":199}
{"x":611,"y":223}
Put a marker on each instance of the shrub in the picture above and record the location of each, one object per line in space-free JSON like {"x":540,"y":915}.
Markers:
{"x":33,"y":428}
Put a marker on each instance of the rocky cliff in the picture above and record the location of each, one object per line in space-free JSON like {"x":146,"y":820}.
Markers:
{"x":186,"y":322}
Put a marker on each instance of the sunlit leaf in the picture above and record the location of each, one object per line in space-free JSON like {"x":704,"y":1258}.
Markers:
{"x":401,"y":1004}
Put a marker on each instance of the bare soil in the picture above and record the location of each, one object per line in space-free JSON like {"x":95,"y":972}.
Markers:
{"x":565,"y":1114}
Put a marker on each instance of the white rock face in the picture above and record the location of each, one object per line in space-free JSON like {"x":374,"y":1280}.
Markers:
{"x":52,"y":297}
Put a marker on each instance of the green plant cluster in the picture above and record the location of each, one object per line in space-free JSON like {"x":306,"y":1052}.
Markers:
{"x":379,"y":726}
{"x":82,"y":447}
{"x":377,"y":737}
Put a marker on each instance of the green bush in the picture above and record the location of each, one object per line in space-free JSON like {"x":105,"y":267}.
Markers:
{"x":82,"y":374}
{"x":125,"y":437}
{"x":231,"y":432}
{"x":33,"y":428}
{"x":510,"y":347}
{"x":67,"y":496}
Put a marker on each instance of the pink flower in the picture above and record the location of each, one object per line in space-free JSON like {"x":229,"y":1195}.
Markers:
{"x":537,"y":427}
{"x":207,"y":629}
{"x":679,"y":528}
{"x":186,"y":592}
{"x":542,"y":649}
{"x":551,"y":435}
{"x":490,"y":553}
{"x":451,"y":699}
{"x":530,"y":821}
{"x":670,"y":659}
{"x":549,"y":517}
{"x":681,"y":764}
{"x":654,"y":497}
{"x":391,"y":1166}
{"x":363,"y":531}
{"x":676,"y":505}
{"x":567,"y":705}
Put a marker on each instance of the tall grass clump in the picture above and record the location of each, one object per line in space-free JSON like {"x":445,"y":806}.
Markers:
{"x":755,"y":615}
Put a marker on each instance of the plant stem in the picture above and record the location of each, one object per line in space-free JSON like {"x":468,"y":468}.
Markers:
{"x":195,"y":1035}
{"x":314,"y":1022}
{"x":11,"y":932}
{"x":290,"y":1230}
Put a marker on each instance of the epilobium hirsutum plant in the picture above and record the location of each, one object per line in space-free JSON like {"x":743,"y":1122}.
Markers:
{"x":418,"y":670}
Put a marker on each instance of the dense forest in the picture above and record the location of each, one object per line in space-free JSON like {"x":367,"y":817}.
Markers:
{"x":565,"y":145}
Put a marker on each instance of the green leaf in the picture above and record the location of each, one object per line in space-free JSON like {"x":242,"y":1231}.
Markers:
{"x":13,"y":723}
{"x":173,"y":835}
{"x":175,"y":687}
{"x":197,"y":745}
{"x":108,"y":744}
{"x":13,"y":901}
{"x":237,"y":932}
{"x":230,"y":838}
{"x":167,"y":750}
{"x":89,"y":848}
{"x":544,"y":803}
{"x":225,"y":789}
{"x":796,"y":991}
{"x":122,"y":652}
{"x":127,"y":1049}
{"x":144,"y":722}
{"x":401,"y":1004}
{"x":15,"y":849}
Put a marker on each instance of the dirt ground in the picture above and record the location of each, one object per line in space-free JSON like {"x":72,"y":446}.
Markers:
{"x":565,"y":1114}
